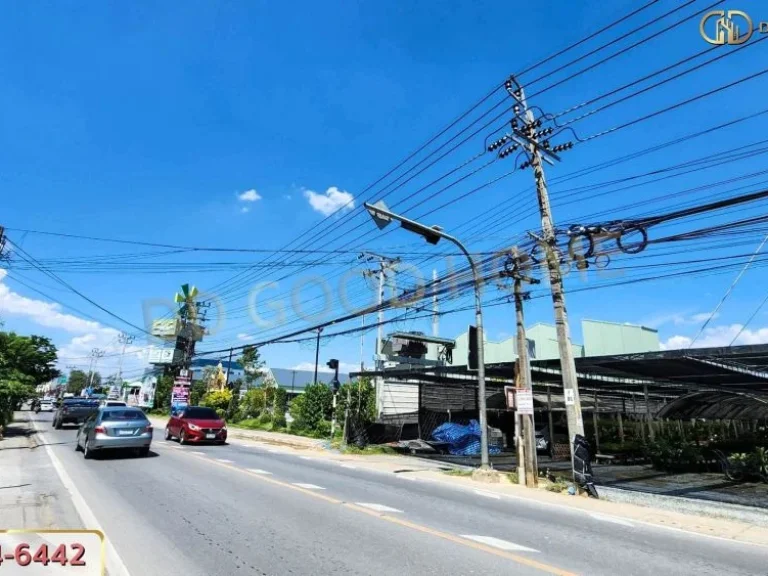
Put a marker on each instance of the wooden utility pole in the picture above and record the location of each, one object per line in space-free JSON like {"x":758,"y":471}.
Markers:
{"x":528,"y":440}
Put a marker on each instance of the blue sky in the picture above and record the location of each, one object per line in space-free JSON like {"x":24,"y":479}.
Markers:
{"x":150,"y":121}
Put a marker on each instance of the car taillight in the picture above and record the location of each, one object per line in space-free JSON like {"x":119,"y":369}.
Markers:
{"x":100,"y":430}
{"x":64,"y":409}
{"x":147,"y":430}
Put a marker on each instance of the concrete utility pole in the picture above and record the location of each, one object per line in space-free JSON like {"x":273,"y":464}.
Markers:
{"x":528,"y":472}
{"x":385,"y":264}
{"x":529,"y":139}
{"x":96,"y":353}
{"x":125,"y":340}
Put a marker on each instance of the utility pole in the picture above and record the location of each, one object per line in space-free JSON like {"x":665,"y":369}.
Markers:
{"x":317,"y":352}
{"x":362,"y":344}
{"x":125,"y":340}
{"x":527,"y":464}
{"x":96,"y":353}
{"x":385,"y":264}
{"x":528,"y":138}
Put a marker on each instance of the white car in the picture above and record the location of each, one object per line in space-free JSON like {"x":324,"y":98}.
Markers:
{"x":106,"y":403}
{"x":46,"y":405}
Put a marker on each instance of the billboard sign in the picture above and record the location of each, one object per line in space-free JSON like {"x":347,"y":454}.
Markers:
{"x":164,"y":355}
{"x":524,"y":401}
{"x":179,"y":397}
{"x":166,"y":328}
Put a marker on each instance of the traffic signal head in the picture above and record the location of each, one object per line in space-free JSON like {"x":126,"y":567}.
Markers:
{"x":333,"y":364}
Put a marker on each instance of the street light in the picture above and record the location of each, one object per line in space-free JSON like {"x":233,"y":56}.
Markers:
{"x":383,"y":217}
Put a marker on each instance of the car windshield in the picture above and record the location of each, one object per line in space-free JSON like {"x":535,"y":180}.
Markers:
{"x":201,"y":414}
{"x":122,"y":415}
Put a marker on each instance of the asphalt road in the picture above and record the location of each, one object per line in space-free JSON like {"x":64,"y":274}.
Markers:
{"x":251,"y":509}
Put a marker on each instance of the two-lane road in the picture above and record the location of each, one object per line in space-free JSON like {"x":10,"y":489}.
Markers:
{"x":251,"y":509}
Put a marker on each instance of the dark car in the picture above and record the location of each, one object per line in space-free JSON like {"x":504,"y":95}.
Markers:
{"x":196,"y":424}
{"x":74,"y":411}
{"x":115,"y":428}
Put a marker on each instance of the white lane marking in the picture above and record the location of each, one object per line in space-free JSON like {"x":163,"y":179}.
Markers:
{"x":260,"y":471}
{"x":115,"y":564}
{"x":308,"y":486}
{"x":174,"y":446}
{"x":349,"y":466}
{"x":273,"y":451}
{"x":377,"y":507}
{"x":224,"y":460}
{"x":306,"y":458}
{"x":487,"y":494}
{"x":613,"y":520}
{"x":197,"y":452}
{"x":498,"y":543}
{"x":406,"y":477}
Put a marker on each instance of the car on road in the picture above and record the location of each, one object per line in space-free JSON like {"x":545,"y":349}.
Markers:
{"x":115,"y":428}
{"x":74,"y":411}
{"x":196,"y":424}
{"x":46,"y":405}
{"x":112,"y":403}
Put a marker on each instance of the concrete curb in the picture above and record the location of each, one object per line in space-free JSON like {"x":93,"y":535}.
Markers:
{"x":691,"y":506}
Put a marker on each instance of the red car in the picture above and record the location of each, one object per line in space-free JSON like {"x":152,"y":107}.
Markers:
{"x":196,"y":424}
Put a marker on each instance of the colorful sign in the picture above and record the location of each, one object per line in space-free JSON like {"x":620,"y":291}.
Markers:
{"x":179,"y":396}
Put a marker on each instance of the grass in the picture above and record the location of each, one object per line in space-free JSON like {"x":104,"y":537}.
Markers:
{"x":559,"y":486}
{"x":370,"y":450}
{"x":254,"y":424}
{"x":458,"y":472}
{"x":512,"y":477}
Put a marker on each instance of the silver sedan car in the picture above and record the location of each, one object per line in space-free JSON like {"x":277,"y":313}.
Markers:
{"x":115,"y":427}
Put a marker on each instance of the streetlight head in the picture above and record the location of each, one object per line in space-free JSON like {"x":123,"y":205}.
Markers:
{"x":380,"y":214}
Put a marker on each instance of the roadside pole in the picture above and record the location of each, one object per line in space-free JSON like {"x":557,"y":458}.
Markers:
{"x":527,"y":461}
{"x":317,"y":353}
{"x":529,"y":137}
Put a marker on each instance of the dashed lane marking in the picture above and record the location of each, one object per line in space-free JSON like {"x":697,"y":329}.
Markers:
{"x":378,"y":507}
{"x":498,"y":543}
{"x":308,"y":486}
{"x":487,"y":494}
{"x":259,"y":471}
{"x":612,"y":520}
{"x":224,"y":460}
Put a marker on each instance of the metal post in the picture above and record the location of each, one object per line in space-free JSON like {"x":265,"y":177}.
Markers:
{"x":229,"y":368}
{"x":621,"y":427}
{"x":362,"y":344}
{"x":346,"y":419}
{"x":435,"y":315}
{"x":595,"y":423}
{"x":524,"y":374}
{"x":124,"y":339}
{"x":317,"y":353}
{"x":379,"y":339}
{"x":333,"y":416}
{"x":651,"y":433}
{"x":567,"y":362}
{"x":550,"y":421}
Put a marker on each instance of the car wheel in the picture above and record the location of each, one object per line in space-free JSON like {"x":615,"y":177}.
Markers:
{"x":144,"y":452}
{"x":77,"y":443}
{"x":168,"y":433}
{"x":182,"y":437}
{"x":87,"y":453}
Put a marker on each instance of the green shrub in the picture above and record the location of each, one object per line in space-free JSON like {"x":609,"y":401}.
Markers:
{"x":264,"y":419}
{"x":559,"y":486}
{"x":218,"y":400}
{"x":278,"y":422}
{"x":253,"y":403}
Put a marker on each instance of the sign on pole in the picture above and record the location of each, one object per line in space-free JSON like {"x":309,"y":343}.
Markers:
{"x":570,"y":399}
{"x":524,"y":401}
{"x":509,"y":394}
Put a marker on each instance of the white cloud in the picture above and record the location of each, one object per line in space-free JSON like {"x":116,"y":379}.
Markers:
{"x":333,"y":200}
{"x":287,"y":196}
{"x":249,"y":196}
{"x":86,"y":334}
{"x":676,"y":319}
{"x":703,"y":316}
{"x":344,"y":367}
{"x":245,"y":209}
{"x":715,"y":336}
{"x":245,"y":337}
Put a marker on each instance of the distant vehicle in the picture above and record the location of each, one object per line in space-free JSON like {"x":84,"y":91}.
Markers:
{"x":114,"y":428}
{"x":112,"y":403}
{"x":68,"y":395}
{"x":74,"y":411}
{"x":46,"y":405}
{"x":196,"y":424}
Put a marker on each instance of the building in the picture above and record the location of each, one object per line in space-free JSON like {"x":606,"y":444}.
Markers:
{"x":396,"y":398}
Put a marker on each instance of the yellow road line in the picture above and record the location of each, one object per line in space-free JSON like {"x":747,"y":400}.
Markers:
{"x":548,"y":568}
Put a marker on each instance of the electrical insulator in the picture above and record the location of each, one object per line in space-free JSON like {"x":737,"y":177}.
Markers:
{"x":546,"y":144}
{"x":508,"y":84}
{"x":516,"y":109}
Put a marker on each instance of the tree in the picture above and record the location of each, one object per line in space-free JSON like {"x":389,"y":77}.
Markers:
{"x":252,"y":364}
{"x":253,"y":403}
{"x":77,"y":381}
{"x":362,"y":396}
{"x":219,"y":400}
{"x":25,"y":362}
{"x":163,"y":392}
{"x":316,"y":405}
{"x":197,"y":391}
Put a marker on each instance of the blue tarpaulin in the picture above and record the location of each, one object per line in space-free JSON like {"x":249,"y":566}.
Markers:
{"x":462,"y":440}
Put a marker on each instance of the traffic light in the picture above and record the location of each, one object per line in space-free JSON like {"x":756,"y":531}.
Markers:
{"x":333,"y":364}
{"x":472,"y":355}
